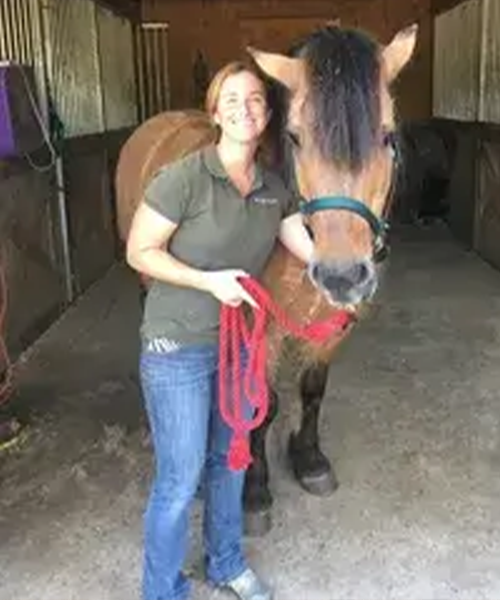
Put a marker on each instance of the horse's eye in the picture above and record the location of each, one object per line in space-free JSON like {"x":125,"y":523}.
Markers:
{"x":388,"y":138}
{"x":294,"y":138}
{"x":309,"y":231}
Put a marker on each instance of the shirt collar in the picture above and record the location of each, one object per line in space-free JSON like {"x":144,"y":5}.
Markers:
{"x":216,"y":168}
{"x":213,"y":162}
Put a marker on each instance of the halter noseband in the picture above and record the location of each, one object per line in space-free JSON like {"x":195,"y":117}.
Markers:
{"x":378,"y":226}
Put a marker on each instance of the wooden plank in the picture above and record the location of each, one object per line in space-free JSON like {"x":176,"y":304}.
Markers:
{"x":131,"y":9}
{"x":440,"y":6}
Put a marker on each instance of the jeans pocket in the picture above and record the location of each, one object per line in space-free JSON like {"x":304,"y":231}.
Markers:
{"x":180,"y":367}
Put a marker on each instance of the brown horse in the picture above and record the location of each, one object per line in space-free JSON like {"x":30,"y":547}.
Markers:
{"x":338,"y":121}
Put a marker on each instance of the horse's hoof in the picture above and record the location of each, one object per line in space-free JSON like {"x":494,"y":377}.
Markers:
{"x":322,"y":485}
{"x":258,"y":523}
{"x":311,"y":469}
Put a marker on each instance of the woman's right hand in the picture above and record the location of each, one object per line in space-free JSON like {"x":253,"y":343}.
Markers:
{"x":224,"y":286}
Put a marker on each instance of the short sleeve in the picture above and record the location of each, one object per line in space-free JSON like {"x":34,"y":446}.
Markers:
{"x":168,"y":193}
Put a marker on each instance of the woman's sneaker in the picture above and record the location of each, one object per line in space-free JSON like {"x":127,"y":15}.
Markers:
{"x":10,"y":432}
{"x":248,"y":586}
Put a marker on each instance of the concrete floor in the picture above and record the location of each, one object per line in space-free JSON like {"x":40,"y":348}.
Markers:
{"x":412,"y":422}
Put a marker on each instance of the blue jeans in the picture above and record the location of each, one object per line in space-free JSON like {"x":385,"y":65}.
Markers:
{"x":189,"y":438}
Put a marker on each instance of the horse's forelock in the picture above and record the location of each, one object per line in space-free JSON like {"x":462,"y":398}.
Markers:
{"x":344,"y":67}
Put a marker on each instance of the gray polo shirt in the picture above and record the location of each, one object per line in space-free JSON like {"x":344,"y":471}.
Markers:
{"x":218,"y":229}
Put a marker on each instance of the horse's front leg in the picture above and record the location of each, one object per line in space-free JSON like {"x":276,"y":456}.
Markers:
{"x":310,"y":466}
{"x":257,"y":497}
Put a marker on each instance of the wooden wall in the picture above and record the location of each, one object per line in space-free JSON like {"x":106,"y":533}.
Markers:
{"x":222,"y":28}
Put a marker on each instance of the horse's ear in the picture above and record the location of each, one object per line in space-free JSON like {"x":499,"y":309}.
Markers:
{"x":399,"y":51}
{"x":288,"y":71}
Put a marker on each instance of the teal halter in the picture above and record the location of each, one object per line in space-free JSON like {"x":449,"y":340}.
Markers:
{"x":378,"y":226}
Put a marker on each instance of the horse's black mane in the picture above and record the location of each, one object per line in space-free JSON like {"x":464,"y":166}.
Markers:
{"x":344,"y":69}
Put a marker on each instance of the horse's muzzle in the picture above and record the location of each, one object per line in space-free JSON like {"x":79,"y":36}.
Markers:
{"x":347,"y":282}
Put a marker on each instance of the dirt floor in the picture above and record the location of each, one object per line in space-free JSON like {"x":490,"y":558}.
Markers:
{"x":411,"y":422}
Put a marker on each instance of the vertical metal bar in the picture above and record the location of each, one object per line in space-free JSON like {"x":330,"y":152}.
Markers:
{"x":3,"y":33}
{"x":61,"y":193}
{"x":152,"y":67}
{"x":19,"y":30}
{"x":48,"y":35}
{"x":483,"y":59}
{"x":59,"y":12}
{"x":159,"y":75}
{"x":38,"y":54}
{"x":96,"y":38}
{"x":138,"y":71}
{"x":480,"y":110}
{"x":16,"y":31}
{"x":154,"y":78}
{"x":160,"y":69}
{"x":26,"y":32}
{"x":147,"y":71}
{"x":143,"y":75}
{"x":435,"y":67}
{"x":8,"y":29}
{"x":165,"y":66}
{"x":13,"y":31}
{"x":154,"y":70}
{"x":131,"y":43}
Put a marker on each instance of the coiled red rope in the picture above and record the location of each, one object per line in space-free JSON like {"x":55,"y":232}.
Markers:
{"x":252,"y":383}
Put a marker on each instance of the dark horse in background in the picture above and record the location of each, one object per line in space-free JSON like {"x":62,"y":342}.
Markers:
{"x":428,"y":149}
{"x":338,"y":129}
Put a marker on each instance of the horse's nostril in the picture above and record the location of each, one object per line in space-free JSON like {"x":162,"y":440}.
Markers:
{"x":316,"y":272}
{"x":358,"y":273}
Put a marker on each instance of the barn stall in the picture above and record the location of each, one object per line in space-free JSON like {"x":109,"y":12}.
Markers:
{"x":411,"y":420}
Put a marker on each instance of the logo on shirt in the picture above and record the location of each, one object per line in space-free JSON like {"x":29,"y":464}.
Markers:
{"x":265,"y":200}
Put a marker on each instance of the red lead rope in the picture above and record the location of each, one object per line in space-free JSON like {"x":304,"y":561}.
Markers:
{"x":235,"y":334}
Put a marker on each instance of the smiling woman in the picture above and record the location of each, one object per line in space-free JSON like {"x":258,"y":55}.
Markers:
{"x":205,"y":222}
{"x":237,"y":102}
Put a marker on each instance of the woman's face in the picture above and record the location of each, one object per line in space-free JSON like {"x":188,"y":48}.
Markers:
{"x":241,"y":110}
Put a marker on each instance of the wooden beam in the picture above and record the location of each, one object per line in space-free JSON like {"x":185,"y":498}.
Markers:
{"x":439,"y":6}
{"x":131,"y":9}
